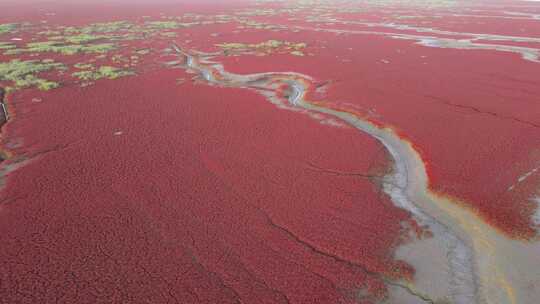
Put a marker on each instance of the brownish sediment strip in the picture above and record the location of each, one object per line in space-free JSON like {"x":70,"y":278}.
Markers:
{"x":4,"y":154}
{"x":4,"y":115}
{"x":3,"y":118}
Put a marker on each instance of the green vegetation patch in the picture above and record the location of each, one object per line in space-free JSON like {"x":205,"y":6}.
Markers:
{"x":167,"y":24}
{"x":232,"y":46}
{"x":31,"y":80}
{"x":6,"y":46}
{"x":23,"y":73}
{"x":107,"y":72}
{"x":259,"y":25}
{"x":265,"y":47}
{"x":83,"y":66}
{"x":117,"y":30}
{"x":7,"y":27}
{"x":84,"y":38}
{"x":65,"y":49}
{"x":50,"y":33}
{"x":104,"y":27}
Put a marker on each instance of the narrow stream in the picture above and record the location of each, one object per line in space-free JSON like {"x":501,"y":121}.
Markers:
{"x":478,"y":263}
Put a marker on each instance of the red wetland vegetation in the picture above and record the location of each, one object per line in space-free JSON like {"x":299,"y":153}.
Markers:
{"x":269,"y":152}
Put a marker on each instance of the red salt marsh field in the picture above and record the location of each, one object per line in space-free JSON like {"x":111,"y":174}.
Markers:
{"x":210,"y":200}
{"x":148,"y":160}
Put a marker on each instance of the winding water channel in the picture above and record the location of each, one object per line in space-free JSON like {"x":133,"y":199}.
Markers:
{"x":466,"y":260}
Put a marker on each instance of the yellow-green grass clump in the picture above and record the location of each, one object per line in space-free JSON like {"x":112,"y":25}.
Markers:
{"x":65,"y":49}
{"x":259,"y":25}
{"x":84,"y":38}
{"x":50,"y":33}
{"x":232,"y":46}
{"x":81,"y":38}
{"x":83,"y":66}
{"x":107,"y":72}
{"x":23,"y":73}
{"x":6,"y":46}
{"x":31,"y":80}
{"x":117,"y":30}
{"x":269,"y":46}
{"x":7,"y":27}
{"x":103,"y":27}
{"x":167,"y":24}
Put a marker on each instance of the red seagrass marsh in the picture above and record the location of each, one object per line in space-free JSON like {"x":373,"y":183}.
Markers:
{"x":265,"y":151}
